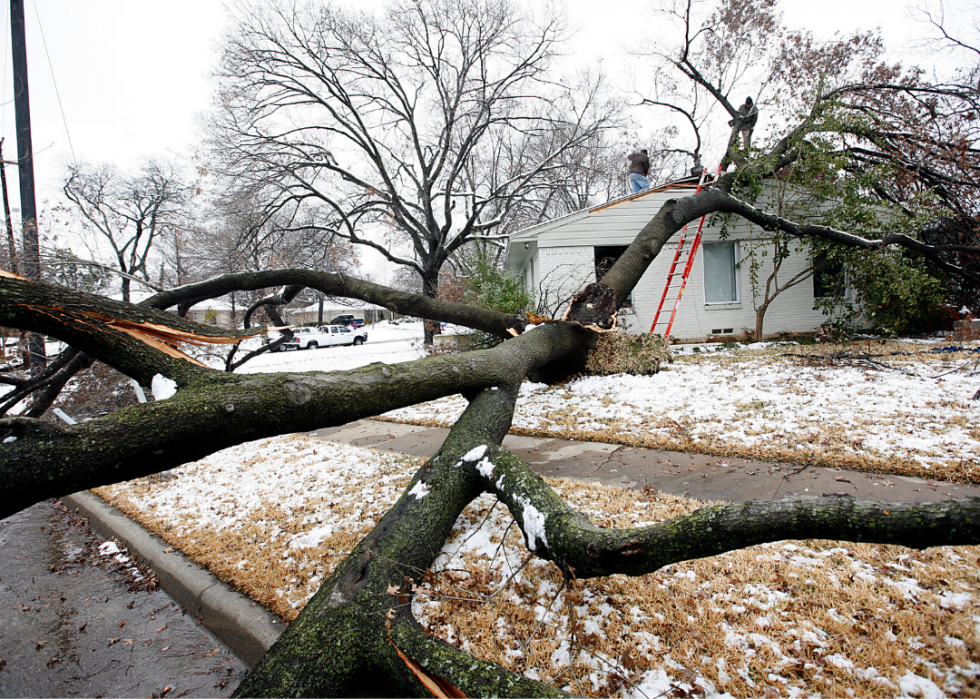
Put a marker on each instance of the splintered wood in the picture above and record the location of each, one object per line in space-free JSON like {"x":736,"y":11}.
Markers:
{"x":594,"y":308}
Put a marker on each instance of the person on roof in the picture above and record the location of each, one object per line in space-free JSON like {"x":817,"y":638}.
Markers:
{"x":748,"y":115}
{"x":639,"y":167}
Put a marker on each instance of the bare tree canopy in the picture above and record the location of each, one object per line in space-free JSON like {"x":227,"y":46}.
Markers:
{"x":130,"y":213}
{"x":412,"y":133}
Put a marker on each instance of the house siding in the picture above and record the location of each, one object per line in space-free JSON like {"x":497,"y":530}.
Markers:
{"x":563,"y":253}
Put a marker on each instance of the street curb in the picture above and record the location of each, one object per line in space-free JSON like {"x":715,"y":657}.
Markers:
{"x":247,"y":628}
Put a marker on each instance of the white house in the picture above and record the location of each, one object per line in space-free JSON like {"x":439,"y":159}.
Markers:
{"x":216,"y":312}
{"x":221,"y":311}
{"x":559,"y":257}
{"x":366,"y":312}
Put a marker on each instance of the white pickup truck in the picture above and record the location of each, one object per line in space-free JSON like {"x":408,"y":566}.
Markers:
{"x":324,"y":336}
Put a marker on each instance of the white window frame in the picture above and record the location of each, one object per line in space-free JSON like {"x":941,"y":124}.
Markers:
{"x":737,"y":260}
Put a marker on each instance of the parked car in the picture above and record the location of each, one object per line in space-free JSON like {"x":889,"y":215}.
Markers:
{"x":347,"y":319}
{"x":324,"y":336}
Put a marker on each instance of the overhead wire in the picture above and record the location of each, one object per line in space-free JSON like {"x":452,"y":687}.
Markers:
{"x":57,"y":93}
{"x":6,"y":52}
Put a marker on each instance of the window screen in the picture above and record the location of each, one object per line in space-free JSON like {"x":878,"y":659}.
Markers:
{"x":720,"y":281}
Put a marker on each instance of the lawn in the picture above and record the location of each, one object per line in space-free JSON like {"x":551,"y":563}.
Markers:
{"x":904,"y":414}
{"x":785,"y":619}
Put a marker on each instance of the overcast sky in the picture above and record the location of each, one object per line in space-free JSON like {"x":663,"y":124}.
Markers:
{"x":134,"y":76}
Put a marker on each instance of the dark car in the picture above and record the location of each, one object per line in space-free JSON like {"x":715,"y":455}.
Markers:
{"x":347,"y":319}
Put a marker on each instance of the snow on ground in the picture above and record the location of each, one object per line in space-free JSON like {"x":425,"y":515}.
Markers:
{"x":914,"y":418}
{"x":387,"y":342}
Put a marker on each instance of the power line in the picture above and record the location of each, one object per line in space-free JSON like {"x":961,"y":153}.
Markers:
{"x":6,"y":45}
{"x":53,"y":81}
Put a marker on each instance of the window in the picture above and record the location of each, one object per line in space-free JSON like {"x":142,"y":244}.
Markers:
{"x":720,"y":272}
{"x":829,"y":281}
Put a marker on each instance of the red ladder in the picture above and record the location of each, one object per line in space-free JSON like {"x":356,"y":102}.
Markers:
{"x":682,"y":249}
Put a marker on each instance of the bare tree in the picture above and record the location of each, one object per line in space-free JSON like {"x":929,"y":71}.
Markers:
{"x":958,"y":36}
{"x":382,"y":125}
{"x":130,"y":213}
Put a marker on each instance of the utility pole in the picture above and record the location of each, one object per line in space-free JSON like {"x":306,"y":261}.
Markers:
{"x":7,"y":223}
{"x":25,"y":160}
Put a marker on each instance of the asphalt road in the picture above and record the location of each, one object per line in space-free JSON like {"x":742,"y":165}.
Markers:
{"x":75,"y":622}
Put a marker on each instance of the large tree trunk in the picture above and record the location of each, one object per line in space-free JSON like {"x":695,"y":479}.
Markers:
{"x":430,"y":290}
{"x":353,"y":628}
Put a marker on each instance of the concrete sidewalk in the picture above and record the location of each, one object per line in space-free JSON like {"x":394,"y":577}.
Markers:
{"x":692,"y":475}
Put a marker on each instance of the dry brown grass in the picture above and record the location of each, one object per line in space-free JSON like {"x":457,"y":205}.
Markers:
{"x":252,"y":555}
{"x":766,"y":621}
{"x":782,"y":619}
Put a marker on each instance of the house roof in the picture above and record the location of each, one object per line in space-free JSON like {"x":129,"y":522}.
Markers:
{"x":620,"y":218}
{"x":334,"y":305}
{"x":214,"y":305}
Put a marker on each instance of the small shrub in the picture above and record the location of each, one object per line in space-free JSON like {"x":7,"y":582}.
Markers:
{"x":493,"y":287}
{"x":897,"y":294}
{"x":619,"y":353}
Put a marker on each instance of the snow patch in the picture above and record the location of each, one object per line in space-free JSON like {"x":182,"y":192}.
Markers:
{"x":476,"y":453}
{"x":534,"y":526}
{"x":162,"y":387}
{"x":108,"y":548}
{"x":840,"y":661}
{"x":311,"y":538}
{"x":485,"y":468}
{"x":420,"y":490}
{"x":954,"y":600}
{"x":913,"y":685}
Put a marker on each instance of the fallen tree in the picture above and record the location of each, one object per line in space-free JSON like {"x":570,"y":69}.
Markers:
{"x":357,"y":634}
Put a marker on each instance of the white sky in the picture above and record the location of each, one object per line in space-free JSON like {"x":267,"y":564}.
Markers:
{"x":133,"y":77}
